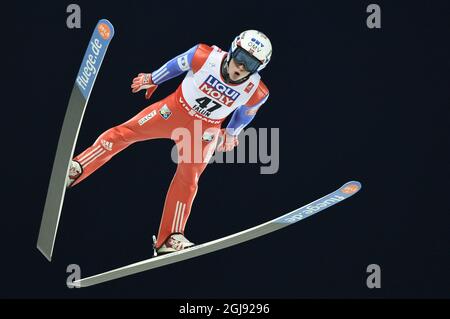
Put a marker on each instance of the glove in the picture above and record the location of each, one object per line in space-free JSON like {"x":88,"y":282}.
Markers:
{"x":144,"y":82}
{"x":228,"y":141}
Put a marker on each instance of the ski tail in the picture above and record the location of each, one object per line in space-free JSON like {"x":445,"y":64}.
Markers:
{"x":84,"y":82}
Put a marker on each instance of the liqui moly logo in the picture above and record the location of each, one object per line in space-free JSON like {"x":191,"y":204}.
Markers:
{"x":219,"y":91}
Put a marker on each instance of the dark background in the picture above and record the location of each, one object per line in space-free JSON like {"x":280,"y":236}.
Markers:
{"x":351,"y":103}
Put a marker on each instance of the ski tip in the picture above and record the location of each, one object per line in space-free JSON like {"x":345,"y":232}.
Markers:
{"x":105,"y":28}
{"x":351,"y":187}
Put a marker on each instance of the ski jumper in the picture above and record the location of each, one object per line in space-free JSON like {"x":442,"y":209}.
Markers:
{"x":200,"y":105}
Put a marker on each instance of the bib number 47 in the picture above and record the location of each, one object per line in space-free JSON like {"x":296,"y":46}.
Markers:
{"x":205,"y":104}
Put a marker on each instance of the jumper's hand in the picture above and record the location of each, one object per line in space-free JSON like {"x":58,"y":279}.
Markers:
{"x":228,"y":142}
{"x":144,"y":82}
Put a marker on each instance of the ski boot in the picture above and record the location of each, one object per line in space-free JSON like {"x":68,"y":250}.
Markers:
{"x":175,"y":242}
{"x":75,"y":171}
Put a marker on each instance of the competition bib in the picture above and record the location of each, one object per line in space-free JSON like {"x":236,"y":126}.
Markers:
{"x":206,"y":93}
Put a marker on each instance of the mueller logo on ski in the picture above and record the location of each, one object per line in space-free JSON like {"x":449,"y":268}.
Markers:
{"x":219,"y":91}
{"x":311,"y":209}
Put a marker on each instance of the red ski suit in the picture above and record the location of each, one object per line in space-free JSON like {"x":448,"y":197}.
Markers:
{"x":162,"y":120}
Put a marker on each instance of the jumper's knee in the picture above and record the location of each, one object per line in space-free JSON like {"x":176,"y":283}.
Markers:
{"x":118,"y":135}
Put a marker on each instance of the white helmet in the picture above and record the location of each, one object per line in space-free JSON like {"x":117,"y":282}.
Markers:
{"x":257,"y":45}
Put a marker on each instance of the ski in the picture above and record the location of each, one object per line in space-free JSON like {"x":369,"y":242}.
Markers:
{"x":90,"y":66}
{"x":297,"y":215}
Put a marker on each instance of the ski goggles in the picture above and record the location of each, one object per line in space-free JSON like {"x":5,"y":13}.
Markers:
{"x":250,"y":63}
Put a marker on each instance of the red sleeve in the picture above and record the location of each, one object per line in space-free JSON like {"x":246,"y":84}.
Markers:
{"x":260,"y":94}
{"x":200,"y":56}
